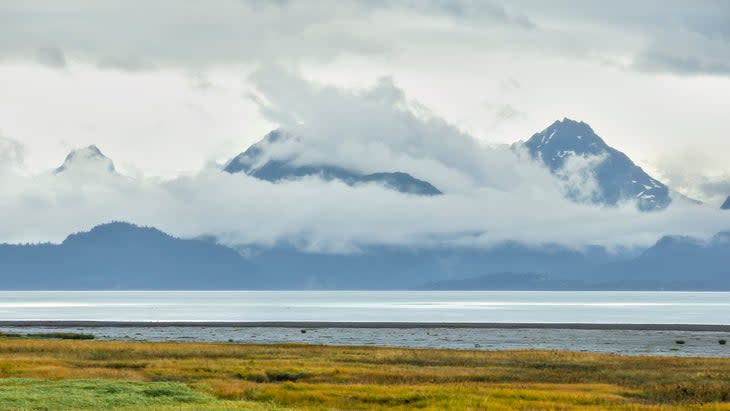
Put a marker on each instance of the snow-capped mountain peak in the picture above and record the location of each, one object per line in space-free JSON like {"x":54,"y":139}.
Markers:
{"x":87,"y":160}
{"x":617,"y":178}
{"x":563,"y":138}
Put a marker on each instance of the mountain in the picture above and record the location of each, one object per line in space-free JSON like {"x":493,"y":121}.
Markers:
{"x":674,"y":263}
{"x":398,"y":268}
{"x":618,"y":178}
{"x":677,"y":263}
{"x":123,"y":256}
{"x":88,"y":160}
{"x":726,"y":204}
{"x":257,"y":162}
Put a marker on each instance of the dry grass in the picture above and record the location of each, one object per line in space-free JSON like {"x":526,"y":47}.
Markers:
{"x":230,"y":376}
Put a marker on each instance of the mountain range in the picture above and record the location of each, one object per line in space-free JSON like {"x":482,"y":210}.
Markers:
{"x":618,"y":178}
{"x":124,"y":256}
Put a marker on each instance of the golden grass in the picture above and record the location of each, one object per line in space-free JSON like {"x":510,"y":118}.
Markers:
{"x":320,"y":378}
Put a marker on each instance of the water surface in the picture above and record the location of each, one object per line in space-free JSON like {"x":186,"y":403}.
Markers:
{"x":370,"y":306}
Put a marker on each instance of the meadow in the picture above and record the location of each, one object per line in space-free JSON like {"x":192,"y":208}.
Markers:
{"x":78,"y":374}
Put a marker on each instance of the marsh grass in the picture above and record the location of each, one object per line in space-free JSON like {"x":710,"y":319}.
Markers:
{"x":63,"y":336}
{"x":306,"y":377}
{"x":56,"y":335}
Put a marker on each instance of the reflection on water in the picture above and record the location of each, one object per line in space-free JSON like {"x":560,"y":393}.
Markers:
{"x":375,"y":306}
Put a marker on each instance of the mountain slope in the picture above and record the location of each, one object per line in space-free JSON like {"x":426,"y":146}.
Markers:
{"x":256,"y":161}
{"x":123,"y":256}
{"x":675,"y":262}
{"x":726,"y":204}
{"x":618,"y":178}
{"x":409,"y":268}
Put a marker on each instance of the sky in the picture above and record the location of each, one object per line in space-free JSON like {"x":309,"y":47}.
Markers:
{"x":172,"y":90}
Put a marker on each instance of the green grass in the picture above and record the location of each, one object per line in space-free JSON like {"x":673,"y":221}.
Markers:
{"x":30,"y":394}
{"x":38,"y":374}
{"x":22,"y":393}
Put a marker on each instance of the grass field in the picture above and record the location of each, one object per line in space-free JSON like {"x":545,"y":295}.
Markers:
{"x":40,"y":374}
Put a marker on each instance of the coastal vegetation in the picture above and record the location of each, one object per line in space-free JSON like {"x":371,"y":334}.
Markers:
{"x":90,"y":374}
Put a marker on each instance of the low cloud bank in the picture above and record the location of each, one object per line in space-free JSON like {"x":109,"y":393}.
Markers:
{"x":492,"y":194}
{"x":327,"y":216}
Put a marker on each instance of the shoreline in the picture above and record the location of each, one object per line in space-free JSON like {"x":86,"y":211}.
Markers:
{"x":366,"y":325}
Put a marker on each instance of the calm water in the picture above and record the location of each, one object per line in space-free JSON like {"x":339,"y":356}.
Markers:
{"x":375,"y":306}
{"x":647,"y":342}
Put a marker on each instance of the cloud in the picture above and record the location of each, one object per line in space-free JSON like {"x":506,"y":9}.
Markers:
{"x":578,"y":179}
{"x":124,"y":63}
{"x":472,"y":11}
{"x":137,"y":35}
{"x":682,"y":172}
{"x":51,"y":57}
{"x":674,"y":36}
{"x":378,"y":129}
{"x":12,"y":156}
{"x":327,"y":216}
{"x":687,"y":53}
{"x":492,"y":195}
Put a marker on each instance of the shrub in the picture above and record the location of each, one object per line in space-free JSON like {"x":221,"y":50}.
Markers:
{"x":285,"y":375}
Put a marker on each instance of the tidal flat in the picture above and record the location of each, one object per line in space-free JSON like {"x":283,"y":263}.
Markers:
{"x":38,"y":373}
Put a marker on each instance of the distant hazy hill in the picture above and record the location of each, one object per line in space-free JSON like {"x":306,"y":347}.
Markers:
{"x":407,"y":267}
{"x":123,"y":256}
{"x":726,"y":204}
{"x":257,"y":161}
{"x":617,"y":176}
{"x":675,"y":262}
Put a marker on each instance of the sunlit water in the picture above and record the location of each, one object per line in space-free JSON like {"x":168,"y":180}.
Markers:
{"x":371,"y":306}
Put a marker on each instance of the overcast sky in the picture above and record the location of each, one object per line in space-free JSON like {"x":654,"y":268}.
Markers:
{"x":171,"y":87}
